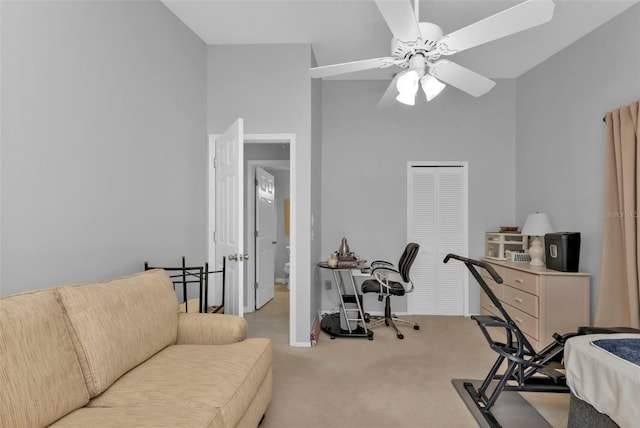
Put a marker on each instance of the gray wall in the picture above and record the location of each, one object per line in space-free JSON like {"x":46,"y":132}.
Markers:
{"x":269,"y":87}
{"x":560,"y":134}
{"x":364,"y":166}
{"x":103,"y":141}
{"x":317,"y":233}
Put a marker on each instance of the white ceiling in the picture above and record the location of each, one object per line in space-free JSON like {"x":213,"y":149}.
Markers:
{"x":350,"y":30}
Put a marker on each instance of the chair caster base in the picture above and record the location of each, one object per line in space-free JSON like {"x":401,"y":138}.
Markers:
{"x":400,"y":336}
{"x":416,"y":327}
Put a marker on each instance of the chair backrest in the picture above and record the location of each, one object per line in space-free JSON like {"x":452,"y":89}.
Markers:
{"x":406,"y":260}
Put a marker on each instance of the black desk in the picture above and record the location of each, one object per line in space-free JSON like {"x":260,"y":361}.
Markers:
{"x":352,"y":312}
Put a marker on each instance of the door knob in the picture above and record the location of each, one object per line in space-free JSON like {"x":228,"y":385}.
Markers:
{"x":244,"y":257}
{"x":233,"y":257}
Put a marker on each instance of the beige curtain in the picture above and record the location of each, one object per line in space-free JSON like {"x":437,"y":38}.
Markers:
{"x":618,"y":297}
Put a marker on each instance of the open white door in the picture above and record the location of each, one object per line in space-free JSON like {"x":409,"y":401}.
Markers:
{"x":229,"y":213}
{"x":265,"y":236}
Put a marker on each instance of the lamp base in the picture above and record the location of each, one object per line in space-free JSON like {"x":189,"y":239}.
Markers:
{"x":536,"y":252}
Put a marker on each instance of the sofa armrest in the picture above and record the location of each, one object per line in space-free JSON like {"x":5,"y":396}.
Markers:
{"x":210,"y":329}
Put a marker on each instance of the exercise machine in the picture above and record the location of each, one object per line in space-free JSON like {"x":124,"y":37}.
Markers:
{"x":526,"y":369}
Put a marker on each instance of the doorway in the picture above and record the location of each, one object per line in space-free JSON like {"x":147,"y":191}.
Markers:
{"x":281,"y":171}
{"x":270,"y":316}
{"x":267,"y":319}
{"x":264,"y":140}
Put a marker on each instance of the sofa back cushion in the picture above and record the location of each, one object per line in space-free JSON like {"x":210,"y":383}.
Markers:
{"x":40,"y":377}
{"x":116,"y":325}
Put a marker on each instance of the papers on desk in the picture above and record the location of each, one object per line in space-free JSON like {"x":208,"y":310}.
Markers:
{"x":348,"y":263}
{"x":365,"y":271}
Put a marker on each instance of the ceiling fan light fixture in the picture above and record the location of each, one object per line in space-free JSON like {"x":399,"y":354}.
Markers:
{"x":407,"y":86}
{"x":431,"y":86}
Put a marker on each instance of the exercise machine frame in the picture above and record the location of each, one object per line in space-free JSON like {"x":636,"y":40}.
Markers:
{"x":526,"y":369}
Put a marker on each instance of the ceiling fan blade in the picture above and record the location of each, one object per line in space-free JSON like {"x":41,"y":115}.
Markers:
{"x":461,"y":77}
{"x":400,"y":18}
{"x":518,"y":18}
{"x":350,"y":67}
{"x":389,"y":97}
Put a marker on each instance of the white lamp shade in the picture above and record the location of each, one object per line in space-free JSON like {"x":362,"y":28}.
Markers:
{"x":431,"y":86}
{"x":407,"y":98}
{"x":537,"y":224}
{"x":407,"y":86}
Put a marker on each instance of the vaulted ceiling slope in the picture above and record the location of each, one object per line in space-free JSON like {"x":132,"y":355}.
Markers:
{"x":350,"y":30}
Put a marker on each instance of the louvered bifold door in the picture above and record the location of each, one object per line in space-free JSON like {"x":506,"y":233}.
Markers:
{"x":437,"y":220}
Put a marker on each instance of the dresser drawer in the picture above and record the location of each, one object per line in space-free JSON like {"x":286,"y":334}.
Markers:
{"x":522,"y":280}
{"x":487,"y":304}
{"x":526,"y":323}
{"x":519,"y":299}
{"x":498,"y":289}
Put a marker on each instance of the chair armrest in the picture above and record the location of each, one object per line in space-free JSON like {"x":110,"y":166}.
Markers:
{"x":377,"y":263}
{"x":384,"y":274}
{"x":389,"y":269}
{"x":210,"y":329}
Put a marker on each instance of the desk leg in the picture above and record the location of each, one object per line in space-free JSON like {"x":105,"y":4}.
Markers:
{"x":332,"y":323}
{"x":355,"y":293}
{"x":337,"y":276}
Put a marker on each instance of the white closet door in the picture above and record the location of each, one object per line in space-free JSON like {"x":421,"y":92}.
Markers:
{"x":437,"y":220}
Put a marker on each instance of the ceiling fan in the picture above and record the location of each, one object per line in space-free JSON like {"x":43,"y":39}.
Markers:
{"x":420,"y":46}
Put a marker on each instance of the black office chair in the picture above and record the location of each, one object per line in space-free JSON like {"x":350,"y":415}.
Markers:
{"x":391,"y":281}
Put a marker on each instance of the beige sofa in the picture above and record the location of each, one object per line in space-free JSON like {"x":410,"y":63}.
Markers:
{"x":118,"y":354}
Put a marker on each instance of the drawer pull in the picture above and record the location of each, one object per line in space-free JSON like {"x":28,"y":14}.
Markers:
{"x":519,"y":281}
{"x":518,"y":300}
{"x":518,"y":320}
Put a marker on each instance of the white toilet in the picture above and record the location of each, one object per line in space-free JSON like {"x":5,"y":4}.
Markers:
{"x":287,"y":265}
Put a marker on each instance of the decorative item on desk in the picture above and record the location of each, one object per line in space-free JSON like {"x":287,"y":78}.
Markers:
{"x":348,"y":262}
{"x":344,"y":248}
{"x":536,"y":225}
{"x":513,"y":229}
{"x":517,"y":256}
{"x":333,"y":260}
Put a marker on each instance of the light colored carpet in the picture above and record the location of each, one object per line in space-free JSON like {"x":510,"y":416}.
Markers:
{"x":386,"y":382}
{"x":272,"y":319}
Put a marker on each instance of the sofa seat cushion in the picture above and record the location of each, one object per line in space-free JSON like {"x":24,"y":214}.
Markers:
{"x":226,"y":377}
{"x":166,"y":416}
{"x":40,"y":376}
{"x":115,"y":325}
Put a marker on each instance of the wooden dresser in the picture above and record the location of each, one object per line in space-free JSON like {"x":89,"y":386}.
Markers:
{"x":542,"y":301}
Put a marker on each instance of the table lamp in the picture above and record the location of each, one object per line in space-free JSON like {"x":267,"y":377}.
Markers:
{"x":536,"y":225}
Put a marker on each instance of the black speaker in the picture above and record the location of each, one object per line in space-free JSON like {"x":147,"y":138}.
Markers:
{"x":562,"y":251}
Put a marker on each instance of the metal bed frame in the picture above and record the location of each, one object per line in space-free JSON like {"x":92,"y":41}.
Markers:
{"x":185,"y":275}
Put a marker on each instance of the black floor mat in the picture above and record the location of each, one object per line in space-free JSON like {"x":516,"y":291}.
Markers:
{"x":510,"y":410}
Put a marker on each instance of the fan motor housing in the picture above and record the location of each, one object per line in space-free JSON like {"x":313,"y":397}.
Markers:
{"x":402,"y":50}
